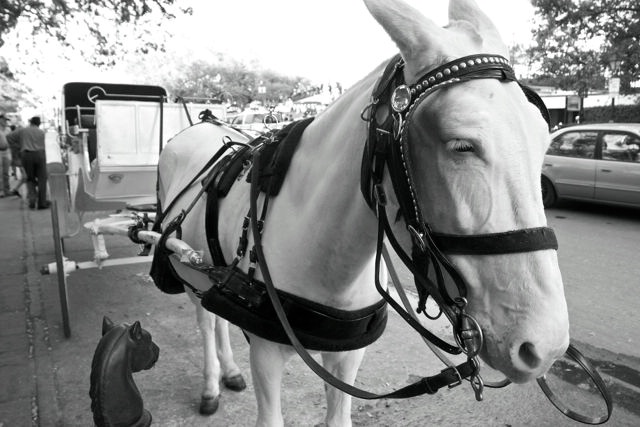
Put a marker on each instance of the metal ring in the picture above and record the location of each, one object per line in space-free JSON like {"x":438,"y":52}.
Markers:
{"x":477,"y":384}
{"x":576,"y":356}
{"x":461,"y":302}
{"x":267,"y":116}
{"x":479,"y":337}
{"x":365,"y":114}
{"x":427,"y":315}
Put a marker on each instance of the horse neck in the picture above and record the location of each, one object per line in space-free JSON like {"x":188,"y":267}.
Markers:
{"x":112,"y":382}
{"x":329,"y":229}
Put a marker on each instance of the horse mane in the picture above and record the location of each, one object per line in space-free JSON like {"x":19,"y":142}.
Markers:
{"x":103,"y":353}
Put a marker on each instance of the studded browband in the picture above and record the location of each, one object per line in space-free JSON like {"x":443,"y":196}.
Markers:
{"x":393,"y":104}
{"x":474,"y":66}
{"x":401,"y":98}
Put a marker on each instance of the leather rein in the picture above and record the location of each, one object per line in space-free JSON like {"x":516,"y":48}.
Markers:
{"x":389,"y":114}
{"x":387,"y":146}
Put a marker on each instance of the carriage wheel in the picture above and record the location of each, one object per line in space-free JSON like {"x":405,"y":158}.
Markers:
{"x":62,"y":277}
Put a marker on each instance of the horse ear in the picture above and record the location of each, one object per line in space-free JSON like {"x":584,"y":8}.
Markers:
{"x":107,"y":325}
{"x":136,"y":331}
{"x":413,"y":33}
{"x":468,"y":10}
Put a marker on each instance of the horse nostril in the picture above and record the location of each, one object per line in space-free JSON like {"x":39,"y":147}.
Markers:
{"x":529,"y":356}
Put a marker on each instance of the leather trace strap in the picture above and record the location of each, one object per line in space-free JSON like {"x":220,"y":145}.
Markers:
{"x":449,"y":377}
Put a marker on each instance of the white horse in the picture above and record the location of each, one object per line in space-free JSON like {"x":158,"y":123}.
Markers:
{"x":476,"y":150}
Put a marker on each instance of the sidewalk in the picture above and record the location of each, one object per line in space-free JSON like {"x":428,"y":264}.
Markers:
{"x":25,"y":350}
{"x":44,"y":377}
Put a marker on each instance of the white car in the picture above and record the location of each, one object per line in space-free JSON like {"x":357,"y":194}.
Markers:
{"x":257,"y":122}
{"x":597,"y":162}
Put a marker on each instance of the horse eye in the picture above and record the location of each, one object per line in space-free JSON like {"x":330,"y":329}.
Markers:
{"x":462,"y":146}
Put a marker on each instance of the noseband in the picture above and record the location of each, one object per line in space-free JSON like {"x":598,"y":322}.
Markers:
{"x":389,"y":116}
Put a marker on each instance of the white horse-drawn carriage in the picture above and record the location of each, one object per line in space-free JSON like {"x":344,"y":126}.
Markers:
{"x":104,"y":157}
{"x":436,"y":153}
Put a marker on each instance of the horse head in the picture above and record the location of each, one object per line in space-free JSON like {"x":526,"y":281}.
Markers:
{"x":122,"y":350}
{"x":475,"y":151}
{"x":142,"y":351}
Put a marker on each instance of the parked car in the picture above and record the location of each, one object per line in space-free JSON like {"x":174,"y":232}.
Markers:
{"x":256,"y":122}
{"x":597,"y":162}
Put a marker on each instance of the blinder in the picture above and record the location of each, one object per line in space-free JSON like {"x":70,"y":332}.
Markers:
{"x":392,"y":107}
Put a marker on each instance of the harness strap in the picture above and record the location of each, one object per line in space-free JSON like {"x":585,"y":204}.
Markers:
{"x":163,"y":212}
{"x":508,"y":242}
{"x":425,"y":282}
{"x":280,"y":153}
{"x":427,"y":385}
{"x":395,"y":279}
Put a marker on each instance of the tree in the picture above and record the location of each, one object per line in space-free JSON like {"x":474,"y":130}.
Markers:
{"x":231,"y":81}
{"x":11,"y":92}
{"x":575,"y":40}
{"x":111,"y":24}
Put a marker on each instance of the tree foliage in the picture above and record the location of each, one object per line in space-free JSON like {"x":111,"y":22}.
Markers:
{"x":111,"y":24}
{"x":233,"y":82}
{"x":576,"y":39}
{"x":10,"y":90}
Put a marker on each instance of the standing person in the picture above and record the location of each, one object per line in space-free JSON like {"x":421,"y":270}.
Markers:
{"x":5,"y":158}
{"x":35,"y":163}
{"x":13,"y":138}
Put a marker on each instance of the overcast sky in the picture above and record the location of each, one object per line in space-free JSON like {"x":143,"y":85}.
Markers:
{"x":325,"y":41}
{"x":335,"y":40}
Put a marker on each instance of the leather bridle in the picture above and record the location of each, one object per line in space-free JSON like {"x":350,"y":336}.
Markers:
{"x":389,"y":115}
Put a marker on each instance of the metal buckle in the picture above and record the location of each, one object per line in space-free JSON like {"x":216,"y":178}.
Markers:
{"x":398,"y":122}
{"x":380,"y":195}
{"x":418,"y":237}
{"x":457,"y":374}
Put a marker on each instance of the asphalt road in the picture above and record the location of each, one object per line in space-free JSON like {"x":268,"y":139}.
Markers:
{"x":598,"y":254}
{"x":597,"y":260}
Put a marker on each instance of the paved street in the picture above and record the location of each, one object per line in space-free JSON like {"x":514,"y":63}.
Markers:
{"x":45,"y":377}
{"x":599,"y":260}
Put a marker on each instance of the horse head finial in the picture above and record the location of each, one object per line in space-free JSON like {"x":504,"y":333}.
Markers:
{"x":115,"y":398}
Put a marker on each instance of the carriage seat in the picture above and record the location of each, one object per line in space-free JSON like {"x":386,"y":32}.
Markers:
{"x":124,"y":139}
{"x":88,"y":121}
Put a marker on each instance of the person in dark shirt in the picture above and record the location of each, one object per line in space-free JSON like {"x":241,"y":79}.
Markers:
{"x":34,"y":162}
{"x":5,"y":158}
